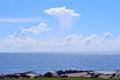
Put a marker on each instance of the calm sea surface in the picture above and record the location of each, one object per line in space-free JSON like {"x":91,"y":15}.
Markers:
{"x":43,"y":62}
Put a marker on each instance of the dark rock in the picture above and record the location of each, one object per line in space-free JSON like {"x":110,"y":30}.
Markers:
{"x":51,"y":74}
{"x":91,"y":73}
{"x":80,"y":73}
{"x":64,"y":75}
{"x":116,"y":74}
{"x":7,"y":76}
{"x":71,"y":71}
{"x":60,"y":72}
{"x":29,"y":74}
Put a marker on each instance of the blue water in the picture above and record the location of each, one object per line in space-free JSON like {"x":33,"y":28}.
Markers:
{"x":43,"y":62}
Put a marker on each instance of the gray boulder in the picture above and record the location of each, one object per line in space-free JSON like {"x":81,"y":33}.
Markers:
{"x":29,"y":74}
{"x":80,"y":74}
{"x":51,"y":74}
{"x":116,"y":74}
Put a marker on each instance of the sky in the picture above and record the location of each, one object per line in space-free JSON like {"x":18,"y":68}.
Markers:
{"x":59,"y":25}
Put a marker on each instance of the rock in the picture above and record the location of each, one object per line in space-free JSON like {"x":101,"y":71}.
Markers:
{"x":116,"y":74}
{"x":75,"y":73}
{"x":105,"y":75}
{"x":29,"y":74}
{"x":51,"y":74}
{"x":2,"y":77}
{"x":91,"y":74}
{"x":9,"y":76}
{"x":64,"y":75}
{"x":72,"y":71}
{"x":60,"y":72}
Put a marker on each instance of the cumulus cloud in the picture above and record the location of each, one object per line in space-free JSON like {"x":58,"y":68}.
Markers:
{"x":106,"y":36}
{"x":93,"y":38}
{"x":72,"y":42}
{"x":73,"y":38}
{"x":61,"y":11}
{"x":23,"y":32}
{"x":65,"y":15}
{"x":92,"y":42}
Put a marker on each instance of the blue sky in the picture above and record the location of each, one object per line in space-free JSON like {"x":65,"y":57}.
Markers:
{"x":59,"y":25}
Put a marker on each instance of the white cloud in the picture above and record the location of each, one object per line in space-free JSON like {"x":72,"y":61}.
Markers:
{"x":61,"y":11}
{"x":69,"y":43}
{"x":65,"y":15}
{"x":73,"y":38}
{"x":106,"y":37}
{"x":93,"y":38}
{"x":17,"y":20}
{"x":93,"y":42}
{"x":22,"y":32}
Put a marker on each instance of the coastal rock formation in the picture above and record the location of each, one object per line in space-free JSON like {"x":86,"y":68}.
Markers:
{"x":63,"y":74}
{"x":29,"y":74}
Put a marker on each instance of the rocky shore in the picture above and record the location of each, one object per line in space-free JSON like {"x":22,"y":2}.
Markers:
{"x":63,"y":74}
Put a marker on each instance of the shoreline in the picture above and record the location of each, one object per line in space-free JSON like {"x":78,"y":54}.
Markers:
{"x":64,"y":74}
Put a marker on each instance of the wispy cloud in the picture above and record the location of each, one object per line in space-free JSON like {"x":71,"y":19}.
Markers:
{"x":21,"y":20}
{"x":65,"y":15}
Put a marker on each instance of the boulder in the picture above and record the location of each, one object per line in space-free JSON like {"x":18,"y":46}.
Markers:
{"x":7,"y":76}
{"x":80,"y":74}
{"x":104,"y":75}
{"x":71,"y":71}
{"x":75,"y":75}
{"x":51,"y":74}
{"x":29,"y":74}
{"x":60,"y":72}
{"x":116,"y":74}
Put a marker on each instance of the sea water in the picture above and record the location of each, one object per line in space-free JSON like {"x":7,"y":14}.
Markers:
{"x":43,"y":62}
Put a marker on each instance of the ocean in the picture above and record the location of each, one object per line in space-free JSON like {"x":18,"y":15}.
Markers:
{"x":43,"y":62}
